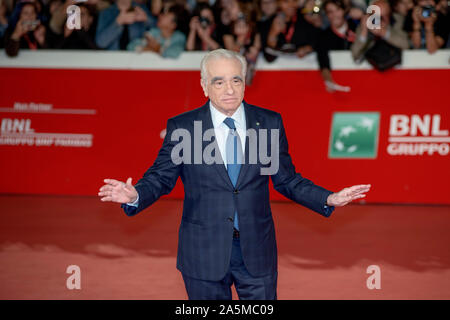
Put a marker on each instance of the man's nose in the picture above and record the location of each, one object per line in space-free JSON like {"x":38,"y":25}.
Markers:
{"x":229,"y":87}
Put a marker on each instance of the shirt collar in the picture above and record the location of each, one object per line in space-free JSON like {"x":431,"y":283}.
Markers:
{"x":218,"y":117}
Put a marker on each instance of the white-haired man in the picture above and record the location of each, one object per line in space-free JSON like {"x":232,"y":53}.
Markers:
{"x":227,"y":232}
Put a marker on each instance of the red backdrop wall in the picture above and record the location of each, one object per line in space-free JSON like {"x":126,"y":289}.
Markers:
{"x":131,"y":109}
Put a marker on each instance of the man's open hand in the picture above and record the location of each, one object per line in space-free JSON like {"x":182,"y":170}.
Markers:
{"x":347,"y":195}
{"x":118,"y":191}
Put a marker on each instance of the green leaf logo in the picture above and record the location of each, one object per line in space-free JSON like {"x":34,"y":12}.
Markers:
{"x":354,"y":135}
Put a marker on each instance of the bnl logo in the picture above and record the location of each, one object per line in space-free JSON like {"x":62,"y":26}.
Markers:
{"x":354,"y":135}
{"x":74,"y":16}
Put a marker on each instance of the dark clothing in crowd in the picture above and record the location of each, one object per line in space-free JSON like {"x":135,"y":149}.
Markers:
{"x":331,"y":39}
{"x":222,"y":30}
{"x":263,"y":28}
{"x":78,"y":39}
{"x":298,"y":33}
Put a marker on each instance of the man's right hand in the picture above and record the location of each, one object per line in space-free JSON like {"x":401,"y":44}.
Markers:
{"x":118,"y":191}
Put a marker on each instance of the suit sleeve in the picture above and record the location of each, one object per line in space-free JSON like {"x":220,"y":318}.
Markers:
{"x":295,"y":187}
{"x":160,"y":178}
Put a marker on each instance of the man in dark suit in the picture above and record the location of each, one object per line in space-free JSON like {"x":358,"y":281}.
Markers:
{"x":227,"y":232}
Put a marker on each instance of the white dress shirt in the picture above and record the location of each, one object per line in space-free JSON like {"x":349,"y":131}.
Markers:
{"x":221,"y":131}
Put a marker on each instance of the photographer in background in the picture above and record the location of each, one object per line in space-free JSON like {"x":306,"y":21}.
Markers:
{"x":83,"y":38}
{"x":427,"y":27}
{"x":289,"y":32}
{"x":122,"y":22}
{"x":338,"y":36}
{"x":384,"y":43}
{"x":27,"y":32}
{"x":203,"y":34}
{"x":163,"y":39}
{"x":245,"y":40}
{"x":58,"y":15}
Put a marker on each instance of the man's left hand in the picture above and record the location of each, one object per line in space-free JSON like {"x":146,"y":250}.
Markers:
{"x":347,"y":195}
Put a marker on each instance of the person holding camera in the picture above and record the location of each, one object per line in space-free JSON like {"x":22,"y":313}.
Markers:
{"x":427,"y":27}
{"x":164,"y":39}
{"x":27,"y":33}
{"x":58,"y":12}
{"x":245,"y":40}
{"x":289,"y":32}
{"x":203,"y":35}
{"x":79,"y":39}
{"x":389,"y":32}
{"x":121,"y":23}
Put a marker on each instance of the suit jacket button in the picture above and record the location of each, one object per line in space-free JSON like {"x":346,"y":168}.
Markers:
{"x":236,"y":191}
{"x":230,"y":219}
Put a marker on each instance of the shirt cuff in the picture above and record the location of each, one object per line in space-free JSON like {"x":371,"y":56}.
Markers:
{"x":135,"y":203}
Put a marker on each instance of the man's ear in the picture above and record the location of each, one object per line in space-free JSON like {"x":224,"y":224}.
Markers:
{"x":205,"y":89}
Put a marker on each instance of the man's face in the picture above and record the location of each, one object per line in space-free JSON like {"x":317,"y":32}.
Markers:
{"x":225,"y":84}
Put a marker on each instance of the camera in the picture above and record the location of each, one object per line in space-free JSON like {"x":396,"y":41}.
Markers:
{"x":204,"y":22}
{"x":427,"y":11}
{"x":30,"y":25}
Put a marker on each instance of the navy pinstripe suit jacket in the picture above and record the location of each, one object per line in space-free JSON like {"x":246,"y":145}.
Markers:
{"x":206,"y":230}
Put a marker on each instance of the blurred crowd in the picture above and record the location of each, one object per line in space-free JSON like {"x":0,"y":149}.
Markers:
{"x":270,"y":28}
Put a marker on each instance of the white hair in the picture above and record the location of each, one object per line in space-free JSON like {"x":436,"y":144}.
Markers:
{"x":221,"y":54}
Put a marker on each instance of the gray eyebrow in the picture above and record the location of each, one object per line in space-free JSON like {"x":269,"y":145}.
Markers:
{"x":216,"y":79}
{"x":221,"y":78}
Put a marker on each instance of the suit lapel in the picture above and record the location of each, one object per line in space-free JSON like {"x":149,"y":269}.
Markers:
{"x":252,"y":122}
{"x":205,"y":117}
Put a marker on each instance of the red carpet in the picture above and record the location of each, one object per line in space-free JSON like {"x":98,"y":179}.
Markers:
{"x":134,"y":258}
